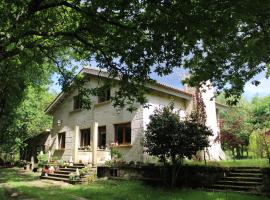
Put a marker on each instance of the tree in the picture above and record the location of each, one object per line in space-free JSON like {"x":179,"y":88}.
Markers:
{"x":235,"y":127}
{"x":28,"y":119}
{"x":225,"y":42}
{"x":260,"y":110}
{"x":260,"y":119}
{"x":172,"y":139}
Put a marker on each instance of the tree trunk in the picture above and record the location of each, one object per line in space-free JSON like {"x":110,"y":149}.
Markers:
{"x":242,"y":151}
{"x":175,"y":171}
{"x":204,"y":156}
{"x":238,"y":153}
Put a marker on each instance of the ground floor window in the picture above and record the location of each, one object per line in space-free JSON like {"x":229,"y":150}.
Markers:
{"x":102,"y":137}
{"x":123,"y":133}
{"x":61,"y":140}
{"x":85,"y":138}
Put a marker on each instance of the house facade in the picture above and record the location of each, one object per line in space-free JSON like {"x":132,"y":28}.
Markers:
{"x":86,"y":135}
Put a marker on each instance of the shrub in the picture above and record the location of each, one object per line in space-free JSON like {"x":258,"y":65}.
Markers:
{"x":42,"y":159}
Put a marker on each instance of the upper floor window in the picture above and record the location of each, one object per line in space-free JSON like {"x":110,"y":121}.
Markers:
{"x":77,"y":102}
{"x":61,"y":140}
{"x":104,"y":96}
{"x":85,"y":137}
{"x":123,"y":133}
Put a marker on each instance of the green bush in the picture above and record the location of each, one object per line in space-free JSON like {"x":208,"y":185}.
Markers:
{"x":115,"y":154}
{"x":42,"y":159}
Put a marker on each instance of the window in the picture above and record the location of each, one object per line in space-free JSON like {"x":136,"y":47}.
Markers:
{"x":105,"y":96}
{"x":85,"y":138}
{"x":77,"y":102}
{"x":61,"y":140}
{"x":123,"y":133}
{"x":102,"y":137}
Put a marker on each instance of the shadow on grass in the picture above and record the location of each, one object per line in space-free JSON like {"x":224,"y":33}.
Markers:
{"x":127,"y":190}
{"x":16,"y":175}
{"x":30,"y":186}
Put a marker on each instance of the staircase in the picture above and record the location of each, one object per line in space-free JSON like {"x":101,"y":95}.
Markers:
{"x":241,"y":179}
{"x":62,"y":174}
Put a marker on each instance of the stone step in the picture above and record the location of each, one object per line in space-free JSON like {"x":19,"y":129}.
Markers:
{"x":79,"y":164}
{"x":75,"y":167}
{"x":233,"y":187}
{"x":62,"y":172}
{"x":59,"y":175}
{"x":68,"y":169}
{"x":240,"y":178}
{"x":245,"y":174}
{"x":244,"y":170}
{"x":55,"y":178}
{"x":239,"y":183}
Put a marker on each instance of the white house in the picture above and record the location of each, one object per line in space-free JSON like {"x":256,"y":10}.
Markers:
{"x":85,"y":135}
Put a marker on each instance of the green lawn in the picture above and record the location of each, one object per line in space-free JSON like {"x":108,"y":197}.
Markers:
{"x":233,"y":163}
{"x":29,"y":186}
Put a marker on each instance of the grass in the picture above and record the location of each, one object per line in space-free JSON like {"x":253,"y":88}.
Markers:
{"x":233,"y":163}
{"x":29,"y":186}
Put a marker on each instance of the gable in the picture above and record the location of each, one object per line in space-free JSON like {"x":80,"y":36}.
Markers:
{"x":158,"y":87}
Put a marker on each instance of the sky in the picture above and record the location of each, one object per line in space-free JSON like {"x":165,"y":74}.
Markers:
{"x":174,"y":80}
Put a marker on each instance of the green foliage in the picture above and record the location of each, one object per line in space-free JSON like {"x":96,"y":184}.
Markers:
{"x":115,"y":153}
{"x":225,"y":42}
{"x":260,"y":143}
{"x":235,"y":127}
{"x":255,"y":145}
{"x":260,"y":108}
{"x":28,"y":119}
{"x":42,"y":159}
{"x":260,"y":119}
{"x":74,"y":177}
{"x":85,"y":171}
{"x":168,"y":137}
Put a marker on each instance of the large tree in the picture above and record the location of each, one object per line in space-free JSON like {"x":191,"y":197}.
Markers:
{"x":226,"y":42}
{"x":28,"y":119}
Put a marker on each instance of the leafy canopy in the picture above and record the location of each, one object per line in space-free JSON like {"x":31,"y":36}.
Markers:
{"x":170,"y":138}
{"x":28,"y":119}
{"x":260,"y":109}
{"x":226,"y":42}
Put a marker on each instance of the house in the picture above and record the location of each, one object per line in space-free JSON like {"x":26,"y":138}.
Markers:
{"x":85,"y":135}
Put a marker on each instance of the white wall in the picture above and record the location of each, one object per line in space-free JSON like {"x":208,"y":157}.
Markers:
{"x":106,"y":115}
{"x":214,"y":151}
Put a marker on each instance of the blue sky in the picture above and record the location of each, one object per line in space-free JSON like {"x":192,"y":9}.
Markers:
{"x":174,"y":80}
